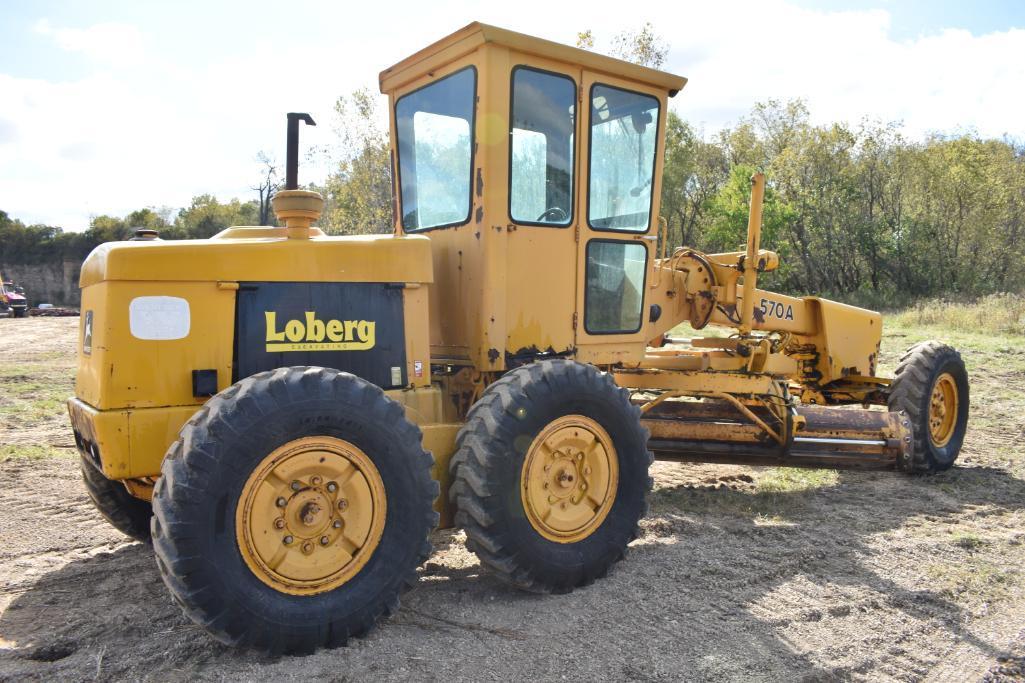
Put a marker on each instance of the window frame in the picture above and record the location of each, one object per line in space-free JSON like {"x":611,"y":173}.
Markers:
{"x":473,"y":152}
{"x":590,"y":152}
{"x":573,"y":162}
{"x":644,"y":285}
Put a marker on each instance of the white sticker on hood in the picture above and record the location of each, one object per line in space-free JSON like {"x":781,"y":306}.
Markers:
{"x":159,"y":318}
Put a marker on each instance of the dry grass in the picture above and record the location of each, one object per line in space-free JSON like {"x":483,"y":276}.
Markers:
{"x":997,"y":313}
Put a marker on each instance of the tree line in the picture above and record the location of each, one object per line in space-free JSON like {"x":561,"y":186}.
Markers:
{"x":205,"y":217}
{"x":861,"y":212}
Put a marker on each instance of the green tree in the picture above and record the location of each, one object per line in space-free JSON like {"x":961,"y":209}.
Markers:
{"x":207,"y":216}
{"x":358,"y":194}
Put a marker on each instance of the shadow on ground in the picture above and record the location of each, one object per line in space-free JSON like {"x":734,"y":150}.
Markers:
{"x":725,"y":583}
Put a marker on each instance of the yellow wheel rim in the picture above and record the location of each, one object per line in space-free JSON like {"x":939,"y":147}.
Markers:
{"x":311,"y":515}
{"x":569,"y":479}
{"x":942,"y":410}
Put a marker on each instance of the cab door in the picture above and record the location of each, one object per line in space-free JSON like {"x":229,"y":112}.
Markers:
{"x":621,"y":168}
{"x":540,"y":250}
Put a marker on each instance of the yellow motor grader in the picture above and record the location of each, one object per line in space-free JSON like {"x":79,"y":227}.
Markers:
{"x":289,"y":415}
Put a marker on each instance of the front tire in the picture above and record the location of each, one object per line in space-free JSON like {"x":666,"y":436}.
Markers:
{"x":931,"y":386}
{"x":550,"y":476}
{"x":126,"y":513}
{"x":294,"y":510}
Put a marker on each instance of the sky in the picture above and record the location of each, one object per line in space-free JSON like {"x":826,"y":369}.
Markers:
{"x":108,"y":106}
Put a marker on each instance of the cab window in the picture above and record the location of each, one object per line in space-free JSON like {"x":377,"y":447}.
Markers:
{"x":541,"y":147}
{"x":615,"y":286}
{"x":622,"y":166}
{"x":435,"y":142}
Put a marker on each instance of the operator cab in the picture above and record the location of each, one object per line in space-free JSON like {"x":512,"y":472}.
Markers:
{"x":535,"y":170}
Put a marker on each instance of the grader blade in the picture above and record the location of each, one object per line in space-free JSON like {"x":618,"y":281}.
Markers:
{"x":715,"y":431}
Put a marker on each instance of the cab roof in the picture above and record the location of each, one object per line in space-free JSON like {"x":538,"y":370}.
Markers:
{"x":473,"y":36}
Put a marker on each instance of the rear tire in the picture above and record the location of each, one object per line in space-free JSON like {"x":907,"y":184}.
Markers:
{"x":212,"y":523}
{"x":931,"y":386}
{"x":503,"y":458}
{"x":126,"y":513}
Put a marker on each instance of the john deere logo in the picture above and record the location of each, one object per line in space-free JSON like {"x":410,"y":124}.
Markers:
{"x":313,"y":334}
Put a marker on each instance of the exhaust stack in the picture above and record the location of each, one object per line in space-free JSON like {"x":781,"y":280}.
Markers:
{"x":297,"y":209}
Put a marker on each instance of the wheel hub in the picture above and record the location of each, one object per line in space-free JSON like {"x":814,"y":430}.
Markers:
{"x":943,"y":404}
{"x":569,"y":479}
{"x":310,"y":515}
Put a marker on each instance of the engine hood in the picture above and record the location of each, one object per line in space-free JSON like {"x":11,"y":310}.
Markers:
{"x":263,"y":254}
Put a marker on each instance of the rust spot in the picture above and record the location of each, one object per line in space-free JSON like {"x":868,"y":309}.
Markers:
{"x":477,"y":234}
{"x":480,"y":183}
{"x":493,"y":354}
{"x":480,"y":214}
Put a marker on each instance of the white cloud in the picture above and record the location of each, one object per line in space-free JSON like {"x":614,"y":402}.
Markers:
{"x":107,"y":42}
{"x":155,"y":129}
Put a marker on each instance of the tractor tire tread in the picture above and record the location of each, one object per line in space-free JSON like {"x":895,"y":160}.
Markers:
{"x":913,"y":378}
{"x":125,"y":512}
{"x":193,"y":453}
{"x":477,"y":497}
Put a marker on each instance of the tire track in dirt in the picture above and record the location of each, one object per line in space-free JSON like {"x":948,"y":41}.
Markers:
{"x":47,"y":509}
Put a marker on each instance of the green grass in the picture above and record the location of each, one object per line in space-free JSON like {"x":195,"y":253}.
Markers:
{"x":778,"y":491}
{"x":34,"y":392}
{"x":32,"y":452}
{"x":791,"y":480}
{"x":974,"y":579}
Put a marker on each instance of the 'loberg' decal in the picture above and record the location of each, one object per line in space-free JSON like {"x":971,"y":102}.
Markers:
{"x":313,"y":334}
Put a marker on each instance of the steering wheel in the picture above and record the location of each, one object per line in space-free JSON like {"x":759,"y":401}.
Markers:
{"x":555,"y":214}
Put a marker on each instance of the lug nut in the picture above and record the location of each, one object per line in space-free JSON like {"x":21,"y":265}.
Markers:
{"x":546,"y":484}
{"x":316,"y":481}
{"x":587,"y":470}
{"x":342,"y":504}
{"x":337,"y":524}
{"x":307,"y":547}
{"x":583,"y":487}
{"x":332,"y":487}
{"x":323,"y":540}
{"x":296,"y":486}
{"x":281,"y":502}
{"x":279,"y":523}
{"x":580,"y":456}
{"x":287,"y":540}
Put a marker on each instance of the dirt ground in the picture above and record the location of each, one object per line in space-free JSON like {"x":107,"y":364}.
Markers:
{"x":742,"y":573}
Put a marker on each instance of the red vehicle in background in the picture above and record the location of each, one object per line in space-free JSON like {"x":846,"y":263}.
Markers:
{"x":12,"y":300}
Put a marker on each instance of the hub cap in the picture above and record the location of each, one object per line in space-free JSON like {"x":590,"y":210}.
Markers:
{"x":942,"y":410}
{"x":569,"y":479}
{"x":310,"y":515}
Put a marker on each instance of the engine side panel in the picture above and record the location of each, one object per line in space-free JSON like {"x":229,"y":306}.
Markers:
{"x":356,"y":327}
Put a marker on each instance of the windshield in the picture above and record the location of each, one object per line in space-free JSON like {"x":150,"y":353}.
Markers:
{"x":435,"y":141}
{"x":623,"y":135}
{"x":541,"y":155}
